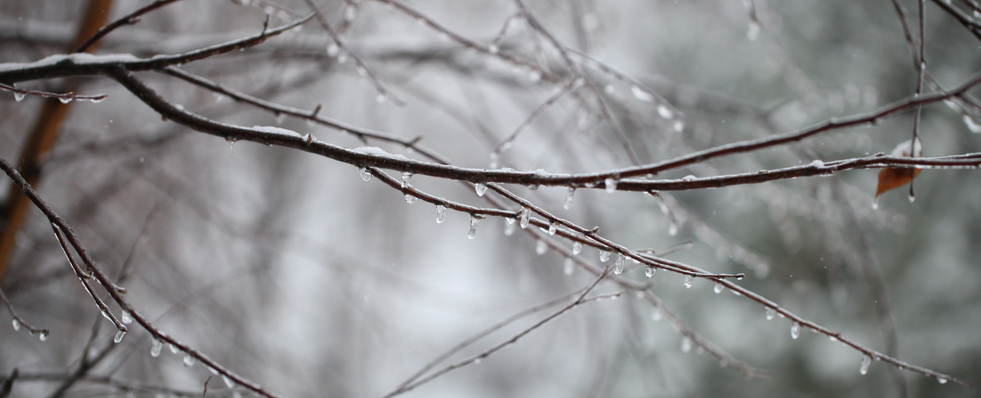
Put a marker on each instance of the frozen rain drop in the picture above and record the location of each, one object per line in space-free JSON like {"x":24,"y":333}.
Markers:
{"x":770,"y":313}
{"x":718,"y":288}
{"x":912,"y":197}
{"x":155,"y":348}
{"x":942,"y":380}
{"x":650,"y":272}
{"x":534,"y":76}
{"x":228,"y":381}
{"x":188,"y":359}
{"x":816,"y":163}
{"x":875,"y":203}
{"x":552,"y":227}
{"x":365,"y":174}
{"x":673,"y":228}
{"x":333,"y":49}
{"x":525,"y":217}
{"x":795,"y":330}
{"x":18,"y":96}
{"x":568,"y":198}
{"x":640,"y":94}
{"x":119,"y":336}
{"x":686,"y":344}
{"x":541,"y":247}
{"x":576,"y":247}
{"x":409,"y":198}
{"x":678,"y":126}
{"x":440,"y":213}
{"x":618,"y":265}
{"x":665,"y":112}
{"x":568,"y":266}
{"x":126,"y":317}
{"x":472,"y":233}
{"x":509,"y":227}
{"x":43,"y":335}
{"x":604,"y":256}
{"x":689,"y":280}
{"x":611,"y":185}
{"x":480,"y":188}
{"x":866,"y":362}
{"x":16,"y":324}
{"x":174,"y":349}
{"x":405,"y":178}
{"x":493,"y":48}
{"x":66,"y":98}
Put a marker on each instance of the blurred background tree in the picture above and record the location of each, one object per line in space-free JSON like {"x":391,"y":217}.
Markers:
{"x":286,"y":274}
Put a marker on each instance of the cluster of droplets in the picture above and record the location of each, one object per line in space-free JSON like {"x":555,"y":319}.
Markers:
{"x":41,"y":334}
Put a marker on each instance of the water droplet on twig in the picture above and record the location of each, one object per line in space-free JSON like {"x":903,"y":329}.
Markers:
{"x":576,"y":247}
{"x":611,"y":185}
{"x":604,"y":256}
{"x":16,"y":324}
{"x":525,"y":217}
{"x":155,"y":348}
{"x":189,"y":359}
{"x":480,"y":188}
{"x":795,"y":330}
{"x":440,"y":213}
{"x":718,"y":288}
{"x":650,"y":272}
{"x":472,"y":233}
{"x":618,"y":265}
{"x":568,"y":198}
{"x":770,"y":313}
{"x":689,"y":280}
{"x":866,"y":362}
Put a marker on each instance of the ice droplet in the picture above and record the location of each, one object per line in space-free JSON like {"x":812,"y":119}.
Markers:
{"x":753,"y":32}
{"x":126,"y":317}
{"x":657,"y":314}
{"x":350,"y":12}
{"x":228,"y":381}
{"x":480,"y":188}
{"x":173,"y":348}
{"x":673,"y":228}
{"x":618,"y":265}
{"x":866,"y":362}
{"x":509,"y":227}
{"x":64,"y":99}
{"x":665,"y":112}
{"x":440,"y":213}
{"x":568,"y":198}
{"x":576,"y":247}
{"x":188,"y":359}
{"x":689,"y":280}
{"x":119,"y":336}
{"x":816,"y":163}
{"x":833,"y":338}
{"x":611,"y":185}
{"x":405,"y":178}
{"x":155,"y":348}
{"x":333,"y":49}
{"x":770,"y":313}
{"x":493,"y":48}
{"x":650,"y":272}
{"x":686,"y":344}
{"x":604,"y":256}
{"x":912,"y":197}
{"x":568,"y":266}
{"x":472,"y":233}
{"x":795,"y":330}
{"x":541,"y":247}
{"x":875,"y":203}
{"x":534,"y":76}
{"x":718,"y":288}
{"x":678,"y":126}
{"x":16,"y":324}
{"x":640,"y":94}
{"x":942,"y":380}
{"x":525,"y":217}
{"x":365,"y":174}
{"x":689,"y":177}
{"x":43,"y":335}
{"x":409,"y":198}
{"x":552,"y":227}
{"x":18,"y":96}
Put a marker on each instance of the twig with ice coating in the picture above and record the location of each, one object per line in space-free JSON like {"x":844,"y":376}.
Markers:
{"x":129,"y":19}
{"x":65,"y":233}
{"x":20,"y":93}
{"x":19,"y":322}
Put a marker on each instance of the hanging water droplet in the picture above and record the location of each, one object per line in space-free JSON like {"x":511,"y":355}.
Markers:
{"x":228,"y":381}
{"x":689,"y":280}
{"x":665,"y":112}
{"x":342,"y":57}
{"x":510,"y":226}
{"x":64,"y":99}
{"x":119,"y":336}
{"x":534,"y":76}
{"x":912,"y":197}
{"x":686,"y":344}
{"x":126,"y":317}
{"x":494,"y":161}
{"x":410,"y":199}
{"x":333,"y":49}
{"x":866,"y":362}
{"x":480,"y":188}
{"x":678,"y":126}
{"x":718,"y":288}
{"x":440,"y":213}
{"x":173,"y":348}
{"x":770,"y":313}
{"x":568,"y":266}
{"x":16,"y":324}
{"x":231,"y":146}
{"x":19,"y":96}
{"x":525,"y":217}
{"x":576,"y":247}
{"x":673,"y":228}
{"x":472,"y":233}
{"x":552,"y":228}
{"x":365,"y":174}
{"x":611,"y":185}
{"x":405,"y":178}
{"x":795,"y":330}
{"x":618,"y":265}
{"x":493,"y":48}
{"x":604,"y":256}
{"x":640,"y":94}
{"x":942,"y":380}
{"x":43,"y":335}
{"x":541,"y":247}
{"x":155,"y":348}
{"x":650,"y":272}
{"x":188,"y":359}
{"x":875,"y":203}
{"x":833,"y":338}
{"x":568,"y":198}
